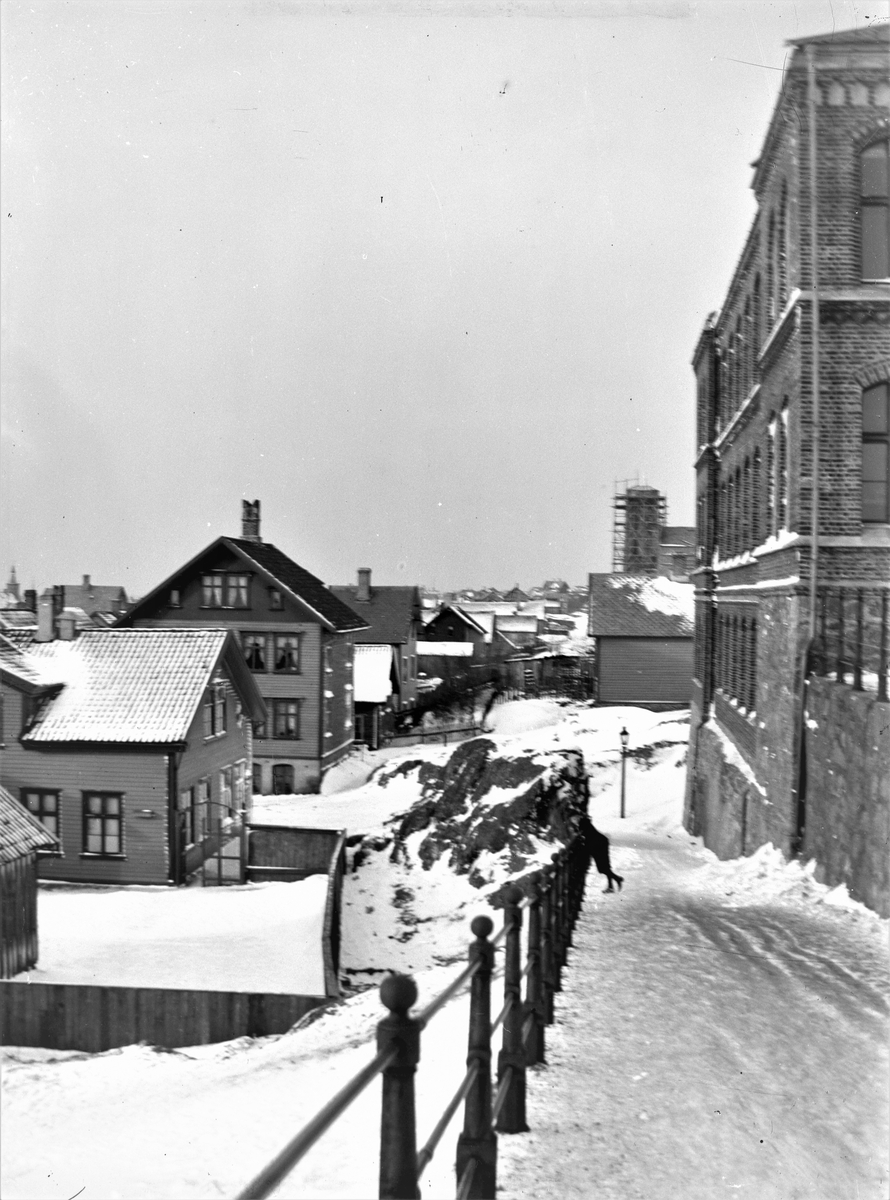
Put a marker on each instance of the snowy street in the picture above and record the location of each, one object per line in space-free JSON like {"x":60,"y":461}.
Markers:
{"x":708,"y":1048}
{"x":722,"y":1029}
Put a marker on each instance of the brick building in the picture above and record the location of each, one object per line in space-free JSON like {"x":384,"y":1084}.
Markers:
{"x":792,"y":389}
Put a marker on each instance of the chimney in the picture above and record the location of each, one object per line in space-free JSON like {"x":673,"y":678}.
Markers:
{"x":67,"y":626}
{"x":31,"y":599}
{"x":363,"y":592}
{"x":250,"y":521}
{"x":46,"y":623}
{"x":58,"y":599}
{"x":86,"y":583}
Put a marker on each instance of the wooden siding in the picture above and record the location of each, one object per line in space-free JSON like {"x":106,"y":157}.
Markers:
{"x":645,"y":670}
{"x":18,"y":915}
{"x":79,"y":1017}
{"x":140,"y":776}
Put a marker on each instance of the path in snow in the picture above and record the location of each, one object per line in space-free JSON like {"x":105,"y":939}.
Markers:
{"x":705,"y":1048}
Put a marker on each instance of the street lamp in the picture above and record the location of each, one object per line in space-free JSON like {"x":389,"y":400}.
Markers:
{"x":624,"y":735}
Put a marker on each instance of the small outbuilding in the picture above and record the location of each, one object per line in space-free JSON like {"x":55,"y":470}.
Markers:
{"x":21,"y":837}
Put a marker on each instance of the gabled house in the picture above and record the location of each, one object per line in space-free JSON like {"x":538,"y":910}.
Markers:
{"x":132,"y":748}
{"x":643,"y":633}
{"x":386,"y":652}
{"x":94,"y":598}
{"x":21,"y":838}
{"x":452,"y":623}
{"x":297,"y":638}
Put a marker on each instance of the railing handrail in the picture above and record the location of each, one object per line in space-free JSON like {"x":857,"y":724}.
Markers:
{"x":284,"y":1162}
{"x":554,"y":900}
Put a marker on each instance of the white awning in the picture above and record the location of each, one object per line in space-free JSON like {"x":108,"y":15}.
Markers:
{"x":372,"y":674}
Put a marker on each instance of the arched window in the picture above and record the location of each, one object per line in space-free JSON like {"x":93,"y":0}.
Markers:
{"x":874,"y":210}
{"x":876,"y":454}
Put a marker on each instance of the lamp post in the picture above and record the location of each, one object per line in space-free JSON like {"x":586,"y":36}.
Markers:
{"x":624,"y":735}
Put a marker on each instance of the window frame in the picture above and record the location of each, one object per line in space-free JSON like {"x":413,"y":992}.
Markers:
{"x":262,"y":639}
{"x":103,"y":796}
{"x":228,"y":590}
{"x":869,"y":202}
{"x":280,"y":705}
{"x":214,"y":711}
{"x":39,"y":814}
{"x":297,"y":639}
{"x":877,"y":438}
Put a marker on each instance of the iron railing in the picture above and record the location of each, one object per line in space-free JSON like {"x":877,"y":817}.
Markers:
{"x":553,"y":899}
{"x":852,"y":640}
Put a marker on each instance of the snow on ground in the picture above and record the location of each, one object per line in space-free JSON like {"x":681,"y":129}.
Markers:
{"x":262,"y":937}
{"x":725,"y":1017}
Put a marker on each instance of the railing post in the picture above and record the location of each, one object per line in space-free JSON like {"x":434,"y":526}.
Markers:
{"x":512,"y":1057}
{"x":823,"y":634}
{"x":534,"y":988}
{"x":548,"y":970}
{"x":556,"y":922}
{"x":841,"y":637}
{"x":398,"y":1126}
{"x":857,"y":663}
{"x":882,"y":654}
{"x":478,"y":1140}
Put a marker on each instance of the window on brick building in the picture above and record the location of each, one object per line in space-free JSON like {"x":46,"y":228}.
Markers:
{"x":771,"y":271}
{"x":876,"y":454}
{"x":755,"y":498}
{"x":874,"y":210}
{"x":770,"y":477}
{"x":782,"y":251}
{"x":782,"y":470}
{"x":756,"y":326}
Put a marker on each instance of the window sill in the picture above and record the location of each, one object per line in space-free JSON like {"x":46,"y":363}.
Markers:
{"x":106,"y":857}
{"x":215,"y":737}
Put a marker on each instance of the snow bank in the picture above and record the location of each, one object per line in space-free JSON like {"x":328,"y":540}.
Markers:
{"x":264,"y":937}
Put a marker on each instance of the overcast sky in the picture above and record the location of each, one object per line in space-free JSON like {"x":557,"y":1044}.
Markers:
{"x":425,"y":279}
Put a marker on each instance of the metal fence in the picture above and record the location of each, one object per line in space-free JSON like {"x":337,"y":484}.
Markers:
{"x":553,"y":899}
{"x":852,"y":637}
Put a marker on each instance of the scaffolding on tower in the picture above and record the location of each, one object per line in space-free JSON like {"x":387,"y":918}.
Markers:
{"x":640,"y":515}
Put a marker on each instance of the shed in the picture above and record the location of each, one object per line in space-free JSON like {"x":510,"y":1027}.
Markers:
{"x":21,"y":836}
{"x":643,"y":630}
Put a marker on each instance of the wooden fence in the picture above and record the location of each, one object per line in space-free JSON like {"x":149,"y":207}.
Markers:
{"x":553,"y":898}
{"x":62,"y":1016}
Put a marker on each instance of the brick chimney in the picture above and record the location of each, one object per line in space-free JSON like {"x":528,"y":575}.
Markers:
{"x":363,"y":591}
{"x":86,"y":583}
{"x":31,"y":599}
{"x":250,"y":521}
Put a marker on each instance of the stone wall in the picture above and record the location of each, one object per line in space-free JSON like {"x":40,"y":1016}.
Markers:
{"x":848,"y":791}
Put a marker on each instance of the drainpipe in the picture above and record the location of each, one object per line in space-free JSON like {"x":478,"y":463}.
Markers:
{"x":801,"y":768}
{"x":814,"y":350}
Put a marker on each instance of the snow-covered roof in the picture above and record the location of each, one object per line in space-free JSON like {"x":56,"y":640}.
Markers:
{"x":638,"y":606}
{"x":445,"y":649}
{"x":371,"y":674}
{"x":134,"y":686}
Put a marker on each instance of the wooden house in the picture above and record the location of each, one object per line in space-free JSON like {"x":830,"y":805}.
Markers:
{"x":22,"y":837}
{"x":297,"y":638}
{"x":643,"y":633}
{"x":385,"y":667}
{"x":133,"y":747}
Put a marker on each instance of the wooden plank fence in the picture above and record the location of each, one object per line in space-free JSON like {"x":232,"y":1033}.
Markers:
{"x":63,"y":1016}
